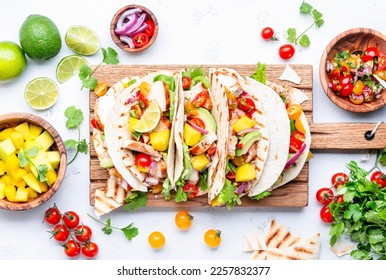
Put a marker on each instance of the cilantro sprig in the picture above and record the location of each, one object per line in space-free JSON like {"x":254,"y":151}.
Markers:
{"x":86,"y":74}
{"x":74,"y":119}
{"x":135,"y":201}
{"x":25,"y":158}
{"x":129,"y":231}
{"x":302,"y":39}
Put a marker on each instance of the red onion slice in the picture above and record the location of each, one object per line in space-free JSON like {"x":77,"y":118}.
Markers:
{"x":138,"y":24}
{"x":199,"y":129}
{"x":142,"y":28}
{"x":247,"y":130}
{"x":127,"y":40}
{"x":123,"y":16}
{"x":128,"y":26}
{"x":241,"y":188}
{"x":295,"y":157}
{"x":152,"y":168}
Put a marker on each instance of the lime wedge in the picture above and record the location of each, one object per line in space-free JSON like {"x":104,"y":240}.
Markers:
{"x":41,"y":93}
{"x":69,"y":66}
{"x":82,"y":40}
{"x":149,"y":119}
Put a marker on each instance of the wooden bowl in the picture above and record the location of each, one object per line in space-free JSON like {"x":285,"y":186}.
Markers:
{"x":13,"y":119}
{"x":353,"y":39}
{"x":124,"y":46}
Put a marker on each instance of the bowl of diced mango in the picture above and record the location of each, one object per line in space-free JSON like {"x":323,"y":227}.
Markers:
{"x":32,"y":161}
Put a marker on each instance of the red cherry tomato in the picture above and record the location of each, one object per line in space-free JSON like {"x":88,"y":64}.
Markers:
{"x":72,"y":248}
{"x":267,"y":33}
{"x":325,"y":215}
{"x":380,"y":178}
{"x":324,"y":196}
{"x":140,"y":40}
{"x":52,"y":215}
{"x":286,"y":51}
{"x":212,"y":150}
{"x":71,"y":219}
{"x":143,"y":160}
{"x":339,"y":199}
{"x":335,"y":74}
{"x":149,"y":31}
{"x":200,"y":99}
{"x":295,"y":145}
{"x":60,"y":233}
{"x":186,"y":82}
{"x":381,"y":61}
{"x":191,"y":189}
{"x":370,"y":53}
{"x":90,"y":249}
{"x":339,"y":179}
{"x":346,"y":85}
{"x":198,"y":122}
{"x":231,"y":175}
{"x":83,"y":233}
{"x":247,"y":105}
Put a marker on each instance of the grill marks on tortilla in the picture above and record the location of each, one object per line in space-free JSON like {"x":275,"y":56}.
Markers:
{"x":279,"y":236}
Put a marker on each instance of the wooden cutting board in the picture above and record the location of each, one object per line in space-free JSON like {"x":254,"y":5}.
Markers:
{"x":295,"y":193}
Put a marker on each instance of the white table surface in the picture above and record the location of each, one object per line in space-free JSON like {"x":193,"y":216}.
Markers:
{"x":191,"y":32}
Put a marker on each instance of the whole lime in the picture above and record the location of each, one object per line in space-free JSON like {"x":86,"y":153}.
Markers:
{"x":40,"y":38}
{"x":12,"y":61}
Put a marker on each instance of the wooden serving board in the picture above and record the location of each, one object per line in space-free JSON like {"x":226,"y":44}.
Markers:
{"x":294,"y":193}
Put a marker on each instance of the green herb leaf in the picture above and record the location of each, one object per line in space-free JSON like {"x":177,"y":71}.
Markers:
{"x":90,"y":83}
{"x":74,"y":117}
{"x":259,"y":74}
{"x":32,"y":152}
{"x":135,"y":201}
{"x":110,"y":56}
{"x":83,"y":146}
{"x":71,"y":144}
{"x":84,"y":72}
{"x":42,"y":172}
{"x":305,"y":8}
{"x":23,"y":159}
{"x":291,"y":35}
{"x":261,"y":195}
{"x":107,"y":228}
{"x":304,"y":41}
{"x":130,"y":231}
{"x":382,"y":159}
{"x":353,"y":212}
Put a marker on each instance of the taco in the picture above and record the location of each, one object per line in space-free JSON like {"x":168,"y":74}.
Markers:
{"x":245,"y":132}
{"x":196,"y":136}
{"x":139,"y":132}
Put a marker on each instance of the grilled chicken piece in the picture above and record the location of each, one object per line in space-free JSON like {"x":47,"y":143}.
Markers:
{"x":142,"y":148}
{"x":202,"y":146}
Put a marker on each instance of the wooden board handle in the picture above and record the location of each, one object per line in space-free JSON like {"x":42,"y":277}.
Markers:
{"x":346,"y":136}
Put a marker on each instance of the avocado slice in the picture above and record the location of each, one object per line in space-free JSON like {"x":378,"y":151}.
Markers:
{"x":247,"y":142}
{"x":207,"y":118}
{"x":106,"y":163}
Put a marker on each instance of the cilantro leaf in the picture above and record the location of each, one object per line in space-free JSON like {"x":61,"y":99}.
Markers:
{"x":32,"y":152}
{"x":110,"y":56}
{"x":83,"y":146}
{"x":135,"y":200}
{"x":353,"y":212}
{"x":74,"y":117}
{"x":130,"y":231}
{"x":107,"y":228}
{"x":42,"y":172}
{"x":84,"y":72}
{"x":90,"y":83}
{"x":304,"y":41}
{"x":71,"y":144}
{"x":23,"y":159}
{"x":291,"y":35}
{"x":305,"y":8}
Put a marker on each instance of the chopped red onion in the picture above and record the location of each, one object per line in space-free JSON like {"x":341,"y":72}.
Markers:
{"x":142,"y":28}
{"x":125,"y":28}
{"x":199,"y":129}
{"x":128,"y":40}
{"x":241,"y":188}
{"x":295,"y":157}
{"x":138,"y":24}
{"x":152,"y":168}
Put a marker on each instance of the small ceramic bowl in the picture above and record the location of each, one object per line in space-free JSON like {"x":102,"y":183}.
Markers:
{"x":14,"y":119}
{"x":352,"y":40}
{"x":123,"y":27}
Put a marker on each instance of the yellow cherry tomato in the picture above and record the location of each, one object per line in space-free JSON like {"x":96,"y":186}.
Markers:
{"x":183,"y":220}
{"x":294,"y":111}
{"x":156,"y":240}
{"x":100,"y":89}
{"x":300,"y":126}
{"x":358,"y":87}
{"x":212,"y":238}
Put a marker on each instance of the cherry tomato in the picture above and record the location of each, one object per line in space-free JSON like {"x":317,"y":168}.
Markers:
{"x":247,"y":105}
{"x":295,"y":145}
{"x":140,"y":40}
{"x":358,"y":87}
{"x":71,"y":219}
{"x":212,"y":238}
{"x":94,"y":123}
{"x":212,"y":150}
{"x":381,"y":61}
{"x":186,"y":82}
{"x":156,"y":240}
{"x":380,"y":178}
{"x":60,"y":233}
{"x":356,"y":99}
{"x":325,"y":215}
{"x":191,"y":189}
{"x":149,"y":31}
{"x":72,"y":248}
{"x":346,"y":90}
{"x":200,"y":99}
{"x":143,"y":160}
{"x":83,"y":233}
{"x":90,"y":249}
{"x":267,"y":33}
{"x":370,"y":53}
{"x":52,"y":215}
{"x":286,"y":51}
{"x":100,"y":89}
{"x":339,"y":179}
{"x":183,"y":220}
{"x":336,"y":88}
{"x":324,"y":196}
{"x":198,"y":122}
{"x":231,"y":175}
{"x":335,"y":74}
{"x":381,"y":74}
{"x":339,"y":199}
{"x":294,"y":111}
{"x":345,"y":68}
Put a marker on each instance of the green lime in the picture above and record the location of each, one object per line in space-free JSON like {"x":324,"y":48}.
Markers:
{"x":69,"y":66}
{"x":41,"y":93}
{"x":12,"y":61}
{"x":82,"y":40}
{"x":149,"y":119}
{"x":40,"y":38}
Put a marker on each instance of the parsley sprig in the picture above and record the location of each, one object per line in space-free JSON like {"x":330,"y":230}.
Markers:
{"x":86,"y":74}
{"x":25,"y":158}
{"x":129,"y":231}
{"x":302,"y":38}
{"x":74,"y":119}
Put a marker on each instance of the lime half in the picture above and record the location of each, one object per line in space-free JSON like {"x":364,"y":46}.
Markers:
{"x":149,"y":119}
{"x":41,"y":93}
{"x":69,"y":66}
{"x":82,"y":40}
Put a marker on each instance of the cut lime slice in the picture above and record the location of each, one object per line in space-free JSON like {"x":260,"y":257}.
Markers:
{"x":82,"y":40}
{"x":149,"y":119}
{"x":69,"y":66}
{"x":41,"y":93}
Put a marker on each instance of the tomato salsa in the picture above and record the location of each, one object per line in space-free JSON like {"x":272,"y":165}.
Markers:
{"x":351,"y":74}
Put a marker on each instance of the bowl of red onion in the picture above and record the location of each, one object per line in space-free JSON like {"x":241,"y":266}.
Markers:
{"x":134,"y":28}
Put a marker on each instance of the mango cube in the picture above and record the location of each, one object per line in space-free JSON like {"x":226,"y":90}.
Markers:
{"x":45,"y":140}
{"x":21,"y":195}
{"x":17,"y":139}
{"x":243,"y":123}
{"x":13,"y":163}
{"x":23,"y":129}
{"x":29,"y":144}
{"x":53,"y":158}
{"x":199,"y":162}
{"x":2,"y":189}
{"x":10,"y":192}
{"x":32,"y":193}
{"x":34,"y":131}
{"x":7,"y":148}
{"x":43,"y":186}
{"x":6,"y":133}
{"x":32,"y":182}
{"x":3,"y":167}
{"x":18,"y":174}
{"x":51,"y":177}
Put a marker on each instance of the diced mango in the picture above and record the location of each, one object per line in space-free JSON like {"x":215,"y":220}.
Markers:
{"x":29,"y":144}
{"x":53,"y":158}
{"x":10,"y":192}
{"x":17,"y":139}
{"x":32,"y":182}
{"x":41,"y":155}
{"x":191,"y":136}
{"x":32,"y":193}
{"x":199,"y":162}
{"x":3,"y":167}
{"x":12,"y":162}
{"x":160,"y":140}
{"x":245,"y":172}
{"x":6,"y":179}
{"x":32,"y":169}
{"x":18,"y":174}
{"x":20,"y":184}
{"x":7,"y":148}
{"x":51,"y":177}
{"x":43,"y":186}
{"x":243,"y":123}
{"x":45,"y":140}
{"x":6,"y":133}
{"x":2,"y":189}
{"x":34,"y":131}
{"x":21,"y":195}
{"x":23,"y":129}
{"x":132,"y":122}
